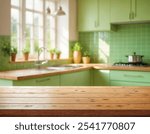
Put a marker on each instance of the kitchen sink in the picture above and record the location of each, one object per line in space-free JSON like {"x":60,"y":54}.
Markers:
{"x":62,"y":67}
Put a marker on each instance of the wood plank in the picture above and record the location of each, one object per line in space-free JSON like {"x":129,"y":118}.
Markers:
{"x":90,"y":100}
{"x":77,"y":95}
{"x":74,"y":89}
{"x":77,"y":106}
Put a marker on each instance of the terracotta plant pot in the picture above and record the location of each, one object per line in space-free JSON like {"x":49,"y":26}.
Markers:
{"x":77,"y":57}
{"x":13,"y":57}
{"x":86,"y":60}
{"x":57,"y":56}
{"x":26,"y":56}
{"x":51,"y":56}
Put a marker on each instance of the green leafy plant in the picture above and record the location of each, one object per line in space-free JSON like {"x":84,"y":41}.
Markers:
{"x":86,"y":53}
{"x":13,"y":50}
{"x":26,"y":50}
{"x":36,"y":45}
{"x":5,"y":46}
{"x":52,"y":51}
{"x":77,"y":47}
{"x":57,"y":51}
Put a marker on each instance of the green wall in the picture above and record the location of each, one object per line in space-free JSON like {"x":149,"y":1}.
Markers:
{"x":110,"y":47}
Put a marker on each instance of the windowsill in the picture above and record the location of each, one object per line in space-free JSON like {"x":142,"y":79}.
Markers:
{"x":33,"y":60}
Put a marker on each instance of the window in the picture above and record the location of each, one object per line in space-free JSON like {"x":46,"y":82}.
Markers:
{"x":31,"y":27}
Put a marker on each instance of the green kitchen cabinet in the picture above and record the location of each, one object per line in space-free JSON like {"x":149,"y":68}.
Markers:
{"x":129,"y":78}
{"x":126,"y":83}
{"x":142,"y":10}
{"x":81,"y":78}
{"x":93,"y":15}
{"x":120,"y":11}
{"x":129,"y":11}
{"x":101,"y":78}
{"x":44,"y":81}
{"x":28,"y":82}
{"x":48,"y":81}
{"x":87,"y":15}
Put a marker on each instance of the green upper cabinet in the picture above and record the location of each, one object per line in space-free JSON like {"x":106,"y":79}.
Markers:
{"x":142,"y":10}
{"x":129,"y":11}
{"x":120,"y":10}
{"x":93,"y":15}
{"x":87,"y":15}
{"x":103,"y":21}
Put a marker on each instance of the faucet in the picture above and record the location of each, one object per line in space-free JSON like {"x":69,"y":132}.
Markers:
{"x":39,"y":62}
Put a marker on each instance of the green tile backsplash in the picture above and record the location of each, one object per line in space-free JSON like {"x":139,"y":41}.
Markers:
{"x":110,"y":47}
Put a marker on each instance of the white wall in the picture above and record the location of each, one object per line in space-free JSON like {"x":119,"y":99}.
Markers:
{"x":67,"y":26}
{"x":73,"y":34}
{"x":4,"y":17}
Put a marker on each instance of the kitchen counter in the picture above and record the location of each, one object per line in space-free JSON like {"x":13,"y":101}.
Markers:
{"x":74,"y":101}
{"x":36,"y":73}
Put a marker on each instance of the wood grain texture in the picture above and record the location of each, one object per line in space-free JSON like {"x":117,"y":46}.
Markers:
{"x":74,"y":101}
{"x":35,"y":73}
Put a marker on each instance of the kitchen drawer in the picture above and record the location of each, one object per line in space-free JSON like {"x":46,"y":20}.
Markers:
{"x":133,"y":76}
{"x":48,"y":81}
{"x":126,"y":83}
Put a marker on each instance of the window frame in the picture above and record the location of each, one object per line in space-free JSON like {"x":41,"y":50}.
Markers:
{"x":22,"y":25}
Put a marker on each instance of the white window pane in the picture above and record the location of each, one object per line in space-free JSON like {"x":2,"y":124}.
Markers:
{"x":15,"y":2}
{"x":14,"y":30}
{"x":51,"y":5}
{"x":29,"y":4}
{"x":14,"y":15}
{"x":38,"y":19}
{"x":29,"y":17}
{"x":38,"y":5}
{"x":29,"y":31}
{"x":38,"y":33}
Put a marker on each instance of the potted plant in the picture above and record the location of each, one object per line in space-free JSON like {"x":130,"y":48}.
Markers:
{"x":13,"y":53}
{"x":77,"y":55}
{"x":86,"y":57}
{"x":57,"y":54}
{"x":26,"y":52}
{"x":52,"y":52}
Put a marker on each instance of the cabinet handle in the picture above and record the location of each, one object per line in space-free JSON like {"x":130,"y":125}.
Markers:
{"x":95,"y":24}
{"x":130,"y":16}
{"x":135,"y":12}
{"x":133,"y":76}
{"x":133,"y":15}
{"x":43,"y":80}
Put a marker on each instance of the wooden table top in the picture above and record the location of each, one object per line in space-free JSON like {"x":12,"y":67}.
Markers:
{"x":74,"y":101}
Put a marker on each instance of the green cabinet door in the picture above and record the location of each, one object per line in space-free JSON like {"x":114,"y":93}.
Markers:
{"x":27,"y":82}
{"x":44,"y":81}
{"x":81,"y":78}
{"x":142,"y":10}
{"x":126,"y":83}
{"x":87,"y":15}
{"x":48,"y":81}
{"x":93,"y":15}
{"x":103,"y":21}
{"x":120,"y":11}
{"x":101,"y":78}
{"x":129,"y":78}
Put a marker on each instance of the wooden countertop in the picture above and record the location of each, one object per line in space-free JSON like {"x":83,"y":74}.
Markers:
{"x":74,"y":101}
{"x":35,"y":73}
